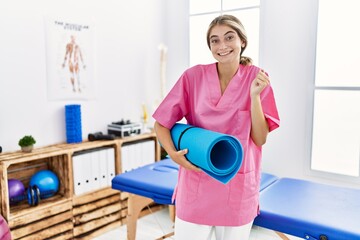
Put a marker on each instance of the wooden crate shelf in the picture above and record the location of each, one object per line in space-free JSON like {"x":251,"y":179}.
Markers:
{"x":93,"y":212}
{"x":36,"y":225}
{"x":64,"y":215}
{"x":48,"y":207}
{"x":22,"y":168}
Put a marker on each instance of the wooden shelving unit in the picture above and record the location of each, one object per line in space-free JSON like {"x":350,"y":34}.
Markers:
{"x":64,"y":215}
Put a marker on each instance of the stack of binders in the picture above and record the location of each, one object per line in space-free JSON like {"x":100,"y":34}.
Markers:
{"x":93,"y":169}
{"x":137,"y":154}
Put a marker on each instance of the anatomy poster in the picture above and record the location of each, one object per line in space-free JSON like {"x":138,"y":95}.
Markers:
{"x":70,"y":51}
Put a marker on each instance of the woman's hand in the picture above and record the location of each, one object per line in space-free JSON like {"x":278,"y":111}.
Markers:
{"x":260,"y":82}
{"x":179,"y":158}
{"x":164,"y":137}
{"x":259,"y":125}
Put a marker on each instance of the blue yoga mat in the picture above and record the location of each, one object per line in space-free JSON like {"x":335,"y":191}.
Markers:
{"x":219,"y":155}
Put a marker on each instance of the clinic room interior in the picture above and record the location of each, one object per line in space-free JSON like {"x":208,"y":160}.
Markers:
{"x":132,"y":54}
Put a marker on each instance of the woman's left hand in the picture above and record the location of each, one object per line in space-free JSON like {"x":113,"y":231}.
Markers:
{"x":259,"y":83}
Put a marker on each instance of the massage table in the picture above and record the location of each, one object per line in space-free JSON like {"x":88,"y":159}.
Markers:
{"x":297,"y":207}
{"x":310,"y":210}
{"x":155,"y":183}
{"x":150,"y":183}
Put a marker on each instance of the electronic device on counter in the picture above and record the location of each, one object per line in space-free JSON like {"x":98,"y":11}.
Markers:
{"x":100,"y":136}
{"x":124,"y":128}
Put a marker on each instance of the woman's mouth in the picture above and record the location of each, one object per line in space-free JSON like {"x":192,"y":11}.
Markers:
{"x":224,"y":53}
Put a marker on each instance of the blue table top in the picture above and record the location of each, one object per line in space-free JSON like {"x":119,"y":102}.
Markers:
{"x":158,"y":181}
{"x":304,"y":208}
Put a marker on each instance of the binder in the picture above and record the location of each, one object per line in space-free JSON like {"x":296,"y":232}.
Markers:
{"x":131,"y":157}
{"x":95,"y":170}
{"x":125,"y":166}
{"x":148,"y":152}
{"x":137,"y":158}
{"x":102,"y":163}
{"x":110,"y":165}
{"x":87,"y":172}
{"x":78,"y":174}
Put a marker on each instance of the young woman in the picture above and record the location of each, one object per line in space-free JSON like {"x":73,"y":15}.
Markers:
{"x":230,"y":96}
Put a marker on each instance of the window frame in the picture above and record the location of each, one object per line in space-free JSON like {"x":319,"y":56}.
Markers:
{"x":310,"y":126}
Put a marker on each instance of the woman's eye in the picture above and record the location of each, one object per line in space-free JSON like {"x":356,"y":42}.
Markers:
{"x":213,"y":41}
{"x":230,"y":37}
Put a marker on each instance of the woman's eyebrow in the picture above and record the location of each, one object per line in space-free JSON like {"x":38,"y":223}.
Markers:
{"x":229,"y":32}
{"x":212,"y":36}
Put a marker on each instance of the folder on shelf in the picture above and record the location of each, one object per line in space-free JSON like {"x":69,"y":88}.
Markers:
{"x":78,"y":174}
{"x":87,"y":172}
{"x":148,"y":152}
{"x":95,"y":169}
{"x":103,"y":168}
{"x":125,"y":152}
{"x":110,"y":165}
{"x":132,"y":156}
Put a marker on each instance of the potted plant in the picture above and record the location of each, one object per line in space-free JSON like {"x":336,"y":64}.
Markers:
{"x":27,"y":143}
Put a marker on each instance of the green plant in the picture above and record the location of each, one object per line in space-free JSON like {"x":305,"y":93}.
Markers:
{"x":27,"y":140}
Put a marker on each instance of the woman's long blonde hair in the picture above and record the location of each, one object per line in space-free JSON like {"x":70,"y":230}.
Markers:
{"x":235,"y":24}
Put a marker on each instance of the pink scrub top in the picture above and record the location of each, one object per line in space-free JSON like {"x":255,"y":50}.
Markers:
{"x":197,"y":97}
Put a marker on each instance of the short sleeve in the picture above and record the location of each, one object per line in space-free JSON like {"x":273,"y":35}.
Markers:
{"x":269,"y":108}
{"x":175,"y":105}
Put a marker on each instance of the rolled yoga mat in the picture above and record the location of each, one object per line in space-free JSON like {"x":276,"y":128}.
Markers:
{"x":217,"y":154}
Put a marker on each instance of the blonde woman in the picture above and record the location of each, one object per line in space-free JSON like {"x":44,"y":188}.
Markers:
{"x":230,"y":96}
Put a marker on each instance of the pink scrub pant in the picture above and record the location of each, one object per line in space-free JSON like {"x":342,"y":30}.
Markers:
{"x":186,"y":230}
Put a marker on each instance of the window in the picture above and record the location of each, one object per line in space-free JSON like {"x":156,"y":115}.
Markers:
{"x":336,"y":117}
{"x":202,"y":12}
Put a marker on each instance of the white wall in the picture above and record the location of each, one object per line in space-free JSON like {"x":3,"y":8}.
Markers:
{"x":177,"y":38}
{"x":288,"y":44}
{"x":288,"y":41}
{"x":127,"y":66}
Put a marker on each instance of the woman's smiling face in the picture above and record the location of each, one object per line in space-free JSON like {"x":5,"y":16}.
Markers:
{"x":225,"y":44}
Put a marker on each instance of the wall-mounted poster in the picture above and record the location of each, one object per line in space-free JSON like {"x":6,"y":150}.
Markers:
{"x":70,"y":51}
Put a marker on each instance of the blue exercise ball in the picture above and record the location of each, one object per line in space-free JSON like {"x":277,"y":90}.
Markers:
{"x":46,"y":181}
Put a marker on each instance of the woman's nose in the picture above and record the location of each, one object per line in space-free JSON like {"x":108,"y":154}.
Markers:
{"x":222,"y":45}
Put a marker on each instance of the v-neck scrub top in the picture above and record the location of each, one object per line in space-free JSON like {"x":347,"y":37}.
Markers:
{"x":197,"y":97}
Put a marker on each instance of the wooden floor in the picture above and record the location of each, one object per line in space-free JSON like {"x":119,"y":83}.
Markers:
{"x":158,"y":224}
